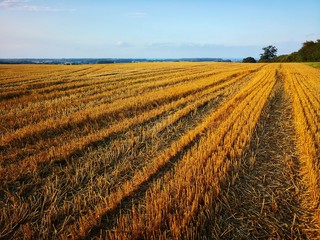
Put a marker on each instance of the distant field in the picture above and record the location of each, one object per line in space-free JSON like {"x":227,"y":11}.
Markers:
{"x":160,"y":151}
{"x":314,"y":64}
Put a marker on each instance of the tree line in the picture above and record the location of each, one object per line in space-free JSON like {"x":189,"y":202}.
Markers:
{"x":309,"y":52}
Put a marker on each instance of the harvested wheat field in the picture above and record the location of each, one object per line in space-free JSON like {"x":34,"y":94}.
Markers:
{"x":160,"y":151}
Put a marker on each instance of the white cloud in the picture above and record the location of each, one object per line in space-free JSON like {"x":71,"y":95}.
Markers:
{"x":138,"y":14}
{"x":197,"y":50}
{"x":122,"y":44}
{"x":10,"y":3}
{"x":24,"y":5}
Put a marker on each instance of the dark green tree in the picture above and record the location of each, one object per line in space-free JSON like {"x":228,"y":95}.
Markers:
{"x":269,"y":53}
{"x":249,"y":60}
{"x":310,"y":51}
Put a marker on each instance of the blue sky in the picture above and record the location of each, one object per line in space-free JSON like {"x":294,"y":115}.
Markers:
{"x":154,"y":28}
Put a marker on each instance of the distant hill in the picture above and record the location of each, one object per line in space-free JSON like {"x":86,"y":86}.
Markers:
{"x":309,"y":52}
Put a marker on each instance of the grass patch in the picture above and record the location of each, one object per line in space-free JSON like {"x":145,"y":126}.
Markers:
{"x":314,"y":64}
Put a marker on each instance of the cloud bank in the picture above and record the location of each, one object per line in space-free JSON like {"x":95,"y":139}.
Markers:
{"x":25,"y":5}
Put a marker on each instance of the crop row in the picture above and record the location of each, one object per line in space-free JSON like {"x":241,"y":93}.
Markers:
{"x":191,"y":178}
{"x":306,"y":107}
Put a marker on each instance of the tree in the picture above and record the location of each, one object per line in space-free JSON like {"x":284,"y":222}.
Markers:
{"x":282,"y":58}
{"x":309,"y":52}
{"x":270,"y":53}
{"x":249,"y":60}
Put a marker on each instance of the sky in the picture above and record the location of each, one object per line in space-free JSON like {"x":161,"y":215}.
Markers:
{"x":154,"y":28}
